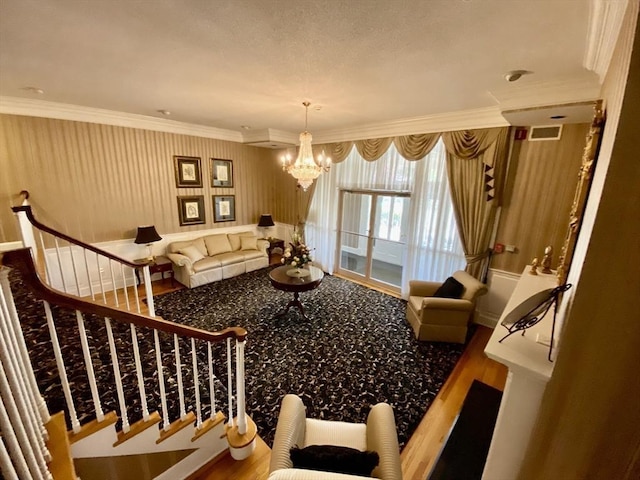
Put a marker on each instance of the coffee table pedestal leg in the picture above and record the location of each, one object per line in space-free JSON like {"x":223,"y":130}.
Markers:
{"x":293,"y":303}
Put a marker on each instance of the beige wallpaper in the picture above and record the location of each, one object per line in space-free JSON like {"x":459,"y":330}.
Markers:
{"x":540,"y":186}
{"x":99,"y":182}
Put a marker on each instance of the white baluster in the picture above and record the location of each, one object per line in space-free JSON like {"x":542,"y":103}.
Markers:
{"x":102,"y":291}
{"x":242,"y":419}
{"x":148,"y":290}
{"x":135,"y":289}
{"x":13,"y":397}
{"x":64,"y":283}
{"x":124,"y":286}
{"x":89,"y":365}
{"x":23,"y":457}
{"x":75,"y":424}
{"x":163,"y":397}
{"x":139,"y":373}
{"x":176,"y":346}
{"x":12,"y":340}
{"x":28,"y":373}
{"x":212,"y":391}
{"x":47,"y":268}
{"x":196,"y":383}
{"x":75,"y":270}
{"x":86,"y":266}
{"x":116,"y":372}
{"x":113,"y":283}
{"x":229,"y":383}
{"x":6,"y":465}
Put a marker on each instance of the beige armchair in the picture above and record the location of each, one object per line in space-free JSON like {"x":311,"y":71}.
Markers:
{"x":294,"y":429}
{"x":442,"y":319}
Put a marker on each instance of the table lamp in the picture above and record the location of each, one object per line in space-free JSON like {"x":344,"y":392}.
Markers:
{"x":265,"y":222}
{"x":147,"y":235}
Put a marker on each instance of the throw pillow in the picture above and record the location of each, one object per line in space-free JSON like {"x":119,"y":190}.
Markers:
{"x":217,"y":244}
{"x":331,"y":458}
{"x":451,"y":288}
{"x":248,"y":243}
{"x":234,"y":239}
{"x":192,"y":253}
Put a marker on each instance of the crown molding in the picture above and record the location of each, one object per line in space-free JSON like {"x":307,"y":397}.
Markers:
{"x":270,"y":138}
{"x":63,"y":111}
{"x":440,"y":122}
{"x":530,"y":95}
{"x":605,"y":21}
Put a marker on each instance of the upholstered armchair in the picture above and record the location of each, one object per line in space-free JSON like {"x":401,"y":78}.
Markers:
{"x":442,"y":319}
{"x":295,"y":429}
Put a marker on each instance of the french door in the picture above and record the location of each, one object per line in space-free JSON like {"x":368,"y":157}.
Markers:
{"x":372,"y":237}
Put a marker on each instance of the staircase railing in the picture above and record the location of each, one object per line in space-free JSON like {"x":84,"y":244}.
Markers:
{"x":78,"y":268}
{"x":88,"y":313}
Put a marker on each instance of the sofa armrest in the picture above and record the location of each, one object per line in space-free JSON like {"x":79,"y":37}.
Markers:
{"x":437,"y":303}
{"x":290,"y":432}
{"x":421,"y":288}
{"x":263,"y":245}
{"x":180,"y":260}
{"x":300,"y":474}
{"x":383,"y":438}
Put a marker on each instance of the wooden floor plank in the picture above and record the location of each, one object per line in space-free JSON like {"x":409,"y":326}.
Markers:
{"x":423,"y":448}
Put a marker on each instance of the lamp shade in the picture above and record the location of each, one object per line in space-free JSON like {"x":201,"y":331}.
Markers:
{"x":266,"y":221}
{"x":147,"y":235}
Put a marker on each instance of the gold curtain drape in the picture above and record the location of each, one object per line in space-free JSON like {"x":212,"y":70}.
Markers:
{"x":372,"y":149}
{"x":416,"y":147}
{"x":476,"y":163}
{"x":337,"y":151}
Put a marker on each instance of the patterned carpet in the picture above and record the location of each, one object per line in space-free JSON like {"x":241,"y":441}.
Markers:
{"x":355,"y":350}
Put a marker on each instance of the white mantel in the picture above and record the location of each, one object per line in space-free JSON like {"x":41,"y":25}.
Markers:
{"x":529,"y":372}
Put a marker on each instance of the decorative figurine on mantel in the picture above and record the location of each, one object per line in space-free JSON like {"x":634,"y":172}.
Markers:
{"x":534,"y":267}
{"x":546,"y":260}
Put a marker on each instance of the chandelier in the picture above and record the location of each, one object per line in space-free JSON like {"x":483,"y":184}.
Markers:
{"x":305,"y":169}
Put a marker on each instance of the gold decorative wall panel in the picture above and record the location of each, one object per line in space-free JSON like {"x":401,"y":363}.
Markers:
{"x":99,"y":182}
{"x":540,"y":187}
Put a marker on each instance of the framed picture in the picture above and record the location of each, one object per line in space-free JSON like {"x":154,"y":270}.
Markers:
{"x":221,"y":173}
{"x":191,"y":210}
{"x":224,"y":208}
{"x":188,"y":172}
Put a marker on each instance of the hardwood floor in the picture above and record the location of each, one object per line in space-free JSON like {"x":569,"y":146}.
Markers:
{"x":423,"y":448}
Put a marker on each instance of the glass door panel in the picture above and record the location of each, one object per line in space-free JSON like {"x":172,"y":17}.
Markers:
{"x":354,"y":239}
{"x":389,"y":239}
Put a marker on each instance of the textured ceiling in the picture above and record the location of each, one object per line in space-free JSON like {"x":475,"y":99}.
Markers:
{"x":231,"y":63}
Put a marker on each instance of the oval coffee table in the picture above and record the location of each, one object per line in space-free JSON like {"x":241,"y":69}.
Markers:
{"x":281,"y":281}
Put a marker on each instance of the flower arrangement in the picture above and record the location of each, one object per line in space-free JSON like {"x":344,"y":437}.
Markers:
{"x":297,"y":254}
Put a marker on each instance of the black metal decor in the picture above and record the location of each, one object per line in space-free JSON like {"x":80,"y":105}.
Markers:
{"x":536,"y":307}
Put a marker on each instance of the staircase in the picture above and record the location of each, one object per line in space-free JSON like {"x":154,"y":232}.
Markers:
{"x":130,"y":385}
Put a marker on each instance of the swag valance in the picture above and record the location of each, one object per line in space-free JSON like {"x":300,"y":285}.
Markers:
{"x":463,"y":144}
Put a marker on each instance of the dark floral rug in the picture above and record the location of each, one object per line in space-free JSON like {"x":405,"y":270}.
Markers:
{"x":355,"y":350}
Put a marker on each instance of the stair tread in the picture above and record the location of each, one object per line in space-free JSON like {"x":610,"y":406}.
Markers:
{"x":237,"y":440}
{"x":92,"y":427}
{"x":138,"y":427}
{"x":176,"y":426}
{"x":208,"y":425}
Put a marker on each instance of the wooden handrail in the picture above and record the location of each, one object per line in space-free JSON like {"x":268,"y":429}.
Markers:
{"x":27,"y":209}
{"x":22,"y":261}
{"x":24,"y":195}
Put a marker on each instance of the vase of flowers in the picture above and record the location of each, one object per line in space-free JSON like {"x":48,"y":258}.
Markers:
{"x":297,"y":254}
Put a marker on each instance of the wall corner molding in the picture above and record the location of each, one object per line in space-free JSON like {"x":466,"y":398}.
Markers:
{"x":605,"y":21}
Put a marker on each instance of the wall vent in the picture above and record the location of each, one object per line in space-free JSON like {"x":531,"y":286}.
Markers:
{"x":545,"y":132}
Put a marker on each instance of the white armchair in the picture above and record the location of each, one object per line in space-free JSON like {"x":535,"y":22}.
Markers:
{"x":294,"y":429}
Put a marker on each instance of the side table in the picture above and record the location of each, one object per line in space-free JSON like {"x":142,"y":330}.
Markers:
{"x":159,"y":265}
{"x":274,"y":243}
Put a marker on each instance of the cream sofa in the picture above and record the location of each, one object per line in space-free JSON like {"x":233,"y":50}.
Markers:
{"x":215,"y":257}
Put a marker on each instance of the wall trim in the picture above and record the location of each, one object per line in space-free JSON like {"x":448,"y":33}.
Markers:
{"x":7,"y":246}
{"x":63,"y":111}
{"x":605,"y":21}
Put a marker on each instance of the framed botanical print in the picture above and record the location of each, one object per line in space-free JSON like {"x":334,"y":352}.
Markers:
{"x":191,"y":210}
{"x":188,"y":172}
{"x":221,"y":173}
{"x":224,"y":208}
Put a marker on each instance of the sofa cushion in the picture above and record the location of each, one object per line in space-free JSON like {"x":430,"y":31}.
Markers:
{"x":332,"y":458}
{"x":217,"y":244}
{"x":192,"y":253}
{"x":207,"y":263}
{"x":249,"y":243}
{"x":234,"y":239}
{"x":229,"y":258}
{"x":251,"y":254}
{"x":451,"y":288}
{"x":174,"y":247}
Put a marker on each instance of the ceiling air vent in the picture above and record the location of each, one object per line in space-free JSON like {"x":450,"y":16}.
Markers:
{"x":545,"y":132}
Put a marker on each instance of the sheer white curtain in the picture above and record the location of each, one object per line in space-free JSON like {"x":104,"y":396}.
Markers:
{"x":433,"y":248}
